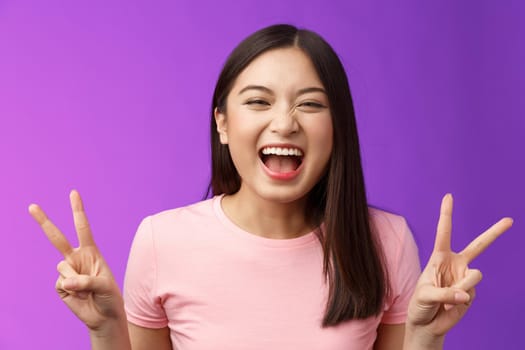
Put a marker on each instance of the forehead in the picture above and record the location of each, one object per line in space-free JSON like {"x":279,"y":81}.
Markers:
{"x":280,"y":69}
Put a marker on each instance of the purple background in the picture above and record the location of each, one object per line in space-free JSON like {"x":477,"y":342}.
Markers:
{"x":112,"y":98}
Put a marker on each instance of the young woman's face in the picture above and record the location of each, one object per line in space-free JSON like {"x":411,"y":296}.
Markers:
{"x":277,"y":125}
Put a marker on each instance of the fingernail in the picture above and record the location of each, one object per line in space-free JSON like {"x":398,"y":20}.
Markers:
{"x":69,"y":283}
{"x":461,"y":297}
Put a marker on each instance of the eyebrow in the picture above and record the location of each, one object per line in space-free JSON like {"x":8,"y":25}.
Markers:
{"x":267,"y":90}
{"x":256,"y":87}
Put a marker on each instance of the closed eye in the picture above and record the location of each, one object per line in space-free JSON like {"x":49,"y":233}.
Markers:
{"x":312,"y":104}
{"x":257,"y":102}
{"x":311,"y":107}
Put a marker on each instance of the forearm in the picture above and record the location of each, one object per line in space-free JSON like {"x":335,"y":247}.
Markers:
{"x":112,"y":336}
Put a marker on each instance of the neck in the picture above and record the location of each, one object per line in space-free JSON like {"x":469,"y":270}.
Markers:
{"x":266,"y":218}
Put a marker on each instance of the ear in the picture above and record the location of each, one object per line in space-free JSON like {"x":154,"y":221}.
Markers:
{"x":220,"y":120}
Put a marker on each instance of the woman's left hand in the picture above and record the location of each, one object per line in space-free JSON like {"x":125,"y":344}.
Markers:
{"x":446,"y":287}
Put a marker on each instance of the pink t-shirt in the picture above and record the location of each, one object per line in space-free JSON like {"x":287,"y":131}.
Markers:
{"x":219,"y":287}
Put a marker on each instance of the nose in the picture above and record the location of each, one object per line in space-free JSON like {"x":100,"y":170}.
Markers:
{"x":285,"y":122}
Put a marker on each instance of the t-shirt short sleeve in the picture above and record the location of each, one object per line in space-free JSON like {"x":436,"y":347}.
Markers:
{"x":403,"y":273}
{"x":143,"y":306}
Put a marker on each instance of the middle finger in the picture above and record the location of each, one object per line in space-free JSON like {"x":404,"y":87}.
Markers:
{"x":85,"y":237}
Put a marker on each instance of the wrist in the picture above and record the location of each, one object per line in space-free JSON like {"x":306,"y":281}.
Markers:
{"x":418,"y":338}
{"x":109,"y":327}
{"x":112,"y":334}
{"x":111,"y":315}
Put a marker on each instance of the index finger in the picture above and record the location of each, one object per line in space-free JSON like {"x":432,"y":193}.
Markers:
{"x":444,"y":227}
{"x":52,"y":232}
{"x":85,"y":238}
{"x":484,"y":240}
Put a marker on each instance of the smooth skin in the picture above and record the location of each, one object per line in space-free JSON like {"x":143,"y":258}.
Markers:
{"x":444,"y":292}
{"x":277,"y":99}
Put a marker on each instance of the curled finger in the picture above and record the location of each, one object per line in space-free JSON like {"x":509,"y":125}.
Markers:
{"x":65,"y":283}
{"x":60,"y":288}
{"x":87,"y":284}
{"x":472,"y":293}
{"x":66,"y":270}
{"x":467,"y":283}
{"x":68,"y":273}
{"x":470,"y":280}
{"x":430,"y":296}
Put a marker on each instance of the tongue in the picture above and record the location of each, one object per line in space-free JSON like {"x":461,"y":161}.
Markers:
{"x":281,"y":164}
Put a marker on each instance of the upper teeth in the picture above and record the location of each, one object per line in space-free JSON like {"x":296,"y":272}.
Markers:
{"x":280,"y":151}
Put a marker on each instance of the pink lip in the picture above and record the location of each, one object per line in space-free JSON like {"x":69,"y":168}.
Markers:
{"x":282,"y":176}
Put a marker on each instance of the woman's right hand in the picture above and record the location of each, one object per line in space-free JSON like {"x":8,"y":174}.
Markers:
{"x":85,"y":282}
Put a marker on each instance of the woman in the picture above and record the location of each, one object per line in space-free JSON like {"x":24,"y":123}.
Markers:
{"x":286,"y":254}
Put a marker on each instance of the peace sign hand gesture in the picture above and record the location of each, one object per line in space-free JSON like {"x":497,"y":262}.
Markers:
{"x":446,"y":287}
{"x":86,"y":283}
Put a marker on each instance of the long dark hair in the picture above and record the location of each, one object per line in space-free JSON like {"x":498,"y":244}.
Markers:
{"x":353,"y":259}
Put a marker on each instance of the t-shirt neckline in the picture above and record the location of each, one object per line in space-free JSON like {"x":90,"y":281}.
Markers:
{"x":303,"y":240}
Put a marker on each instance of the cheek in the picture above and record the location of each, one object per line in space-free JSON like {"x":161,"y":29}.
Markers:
{"x":242,"y":121}
{"x":243,"y":134}
{"x":245,"y":128}
{"x":321,"y":134}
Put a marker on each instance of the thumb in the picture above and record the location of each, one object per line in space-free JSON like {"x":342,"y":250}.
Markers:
{"x":87,"y":284}
{"x":432,"y":296}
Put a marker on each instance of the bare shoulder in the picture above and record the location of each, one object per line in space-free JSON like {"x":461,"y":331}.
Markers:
{"x":149,"y":338}
{"x":390,"y":337}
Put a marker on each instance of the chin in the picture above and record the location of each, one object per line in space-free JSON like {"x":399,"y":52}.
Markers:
{"x":281,"y":195}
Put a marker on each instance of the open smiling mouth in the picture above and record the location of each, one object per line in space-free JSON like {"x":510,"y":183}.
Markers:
{"x":281,"y":160}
